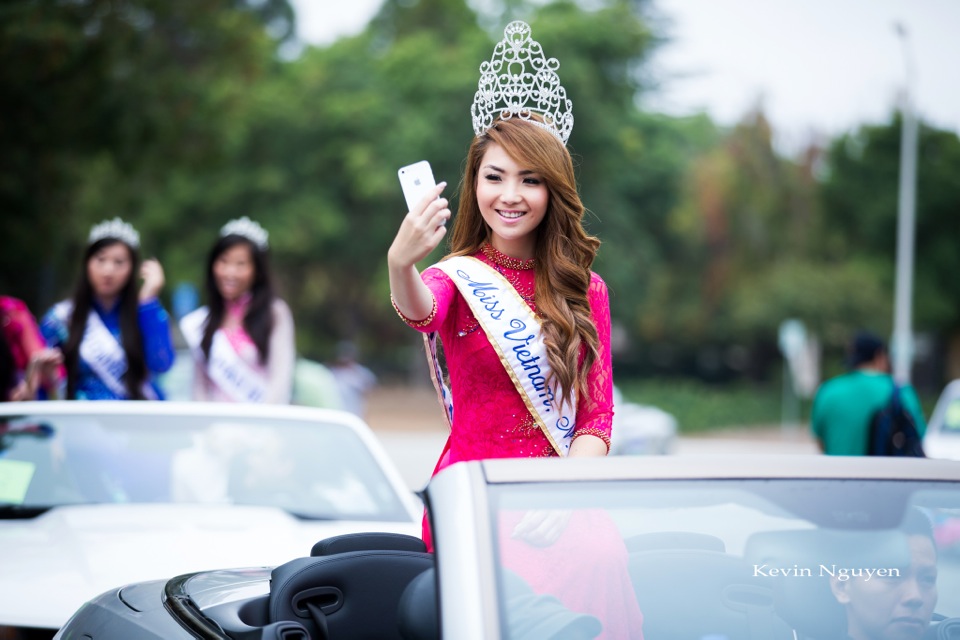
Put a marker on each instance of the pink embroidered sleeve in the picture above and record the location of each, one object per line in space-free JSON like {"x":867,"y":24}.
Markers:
{"x":595,"y":406}
{"x":444,"y":292}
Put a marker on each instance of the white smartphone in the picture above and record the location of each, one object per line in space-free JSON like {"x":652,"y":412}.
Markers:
{"x":415,"y":179}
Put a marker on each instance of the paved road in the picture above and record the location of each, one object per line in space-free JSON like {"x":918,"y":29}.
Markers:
{"x":411,"y":426}
{"x":416,"y":453}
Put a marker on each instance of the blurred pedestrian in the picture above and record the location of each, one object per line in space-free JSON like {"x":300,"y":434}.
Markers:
{"x":353,"y":379}
{"x":115,"y":339}
{"x":243,"y":340}
{"x":844,"y":406}
{"x":28,"y":368}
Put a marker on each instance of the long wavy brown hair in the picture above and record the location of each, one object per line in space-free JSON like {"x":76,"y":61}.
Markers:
{"x":563,"y":253}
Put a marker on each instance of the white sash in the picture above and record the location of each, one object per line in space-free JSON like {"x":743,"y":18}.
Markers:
{"x":102,"y":353}
{"x":514,"y":332}
{"x":232,"y":375}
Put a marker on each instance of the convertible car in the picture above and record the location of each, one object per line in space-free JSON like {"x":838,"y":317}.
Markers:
{"x":98,"y":494}
{"x":739,"y":548}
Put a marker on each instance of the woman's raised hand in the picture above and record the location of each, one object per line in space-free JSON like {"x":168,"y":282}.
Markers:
{"x":542,"y":527}
{"x":421,"y":231}
{"x":153,"y":279}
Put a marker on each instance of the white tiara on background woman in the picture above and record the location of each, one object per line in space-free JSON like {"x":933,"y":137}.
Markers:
{"x":246,"y":228}
{"x":115,"y":229}
{"x":519,"y":81}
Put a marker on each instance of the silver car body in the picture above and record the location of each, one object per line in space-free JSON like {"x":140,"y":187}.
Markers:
{"x":942,"y":439}
{"x":640,"y":429}
{"x":464,"y":515}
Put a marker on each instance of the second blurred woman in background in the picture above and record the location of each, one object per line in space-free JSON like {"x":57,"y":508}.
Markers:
{"x":114,"y":340}
{"x":243,"y":340}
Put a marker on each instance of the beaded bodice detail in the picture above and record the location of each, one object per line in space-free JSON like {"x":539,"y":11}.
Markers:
{"x":501,"y":259}
{"x":519,"y":273}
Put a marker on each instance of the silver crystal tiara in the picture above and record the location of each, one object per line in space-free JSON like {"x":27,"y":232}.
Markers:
{"x":519,"y":81}
{"x":116,"y":229}
{"x":247,"y":228}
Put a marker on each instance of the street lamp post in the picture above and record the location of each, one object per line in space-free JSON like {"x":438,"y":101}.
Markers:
{"x":902,"y":342}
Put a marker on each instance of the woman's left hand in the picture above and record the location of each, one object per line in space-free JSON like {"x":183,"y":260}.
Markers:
{"x":153,"y":279}
{"x":588,"y":446}
{"x":542,"y":527}
{"x":41,"y":370}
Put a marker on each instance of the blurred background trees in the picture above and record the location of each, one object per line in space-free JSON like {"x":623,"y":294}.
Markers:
{"x":179,"y":116}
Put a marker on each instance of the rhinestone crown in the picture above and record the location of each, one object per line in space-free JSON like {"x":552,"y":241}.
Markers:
{"x":247,"y":228}
{"x":518,"y":81}
{"x":116,"y":229}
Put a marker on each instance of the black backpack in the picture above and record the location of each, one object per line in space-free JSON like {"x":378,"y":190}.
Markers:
{"x":893,"y":431}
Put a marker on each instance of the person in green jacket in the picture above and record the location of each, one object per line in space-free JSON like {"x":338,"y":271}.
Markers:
{"x":844,"y":406}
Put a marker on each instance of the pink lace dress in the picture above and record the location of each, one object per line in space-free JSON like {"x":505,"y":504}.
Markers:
{"x":491,"y":421}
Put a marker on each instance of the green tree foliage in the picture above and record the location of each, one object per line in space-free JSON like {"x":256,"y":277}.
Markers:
{"x":99,"y":97}
{"x":630,"y":163}
{"x":760,"y":238}
{"x":323,"y":137}
{"x":742,"y":210}
{"x":860,"y":195}
{"x":182,"y":115}
{"x":320,"y":140}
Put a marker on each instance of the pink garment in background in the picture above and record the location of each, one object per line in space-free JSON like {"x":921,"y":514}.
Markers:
{"x":21,"y":331}
{"x":23,"y":335}
{"x":240,"y":340}
{"x":237,"y":336}
{"x":586,"y":569}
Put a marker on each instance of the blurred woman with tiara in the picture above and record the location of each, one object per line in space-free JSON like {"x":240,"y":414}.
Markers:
{"x":243,"y":340}
{"x":115,"y":338}
{"x":524,"y":323}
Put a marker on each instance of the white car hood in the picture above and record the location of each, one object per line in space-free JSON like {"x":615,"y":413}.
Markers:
{"x":54,"y":563}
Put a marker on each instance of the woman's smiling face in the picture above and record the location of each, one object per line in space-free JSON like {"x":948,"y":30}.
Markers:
{"x":109,"y":270}
{"x":234,"y":271}
{"x":513,"y":202}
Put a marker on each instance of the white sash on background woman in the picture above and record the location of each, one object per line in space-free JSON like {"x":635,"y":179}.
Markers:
{"x":232,"y":375}
{"x":102,"y":352}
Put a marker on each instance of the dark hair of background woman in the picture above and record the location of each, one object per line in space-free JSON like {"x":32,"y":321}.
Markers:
{"x":258,"y":322}
{"x":130,"y":338}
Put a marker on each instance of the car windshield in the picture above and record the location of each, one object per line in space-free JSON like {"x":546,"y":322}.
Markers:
{"x":951,"y":416}
{"x":729,"y":558}
{"x":312,"y":470}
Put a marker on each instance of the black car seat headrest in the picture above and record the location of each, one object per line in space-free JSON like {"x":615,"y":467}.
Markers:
{"x":367,"y":541}
{"x":418,"y":614}
{"x":354,"y":594}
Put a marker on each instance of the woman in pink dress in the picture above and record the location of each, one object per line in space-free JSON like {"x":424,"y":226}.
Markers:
{"x":520,"y":221}
{"x":243,"y":340}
